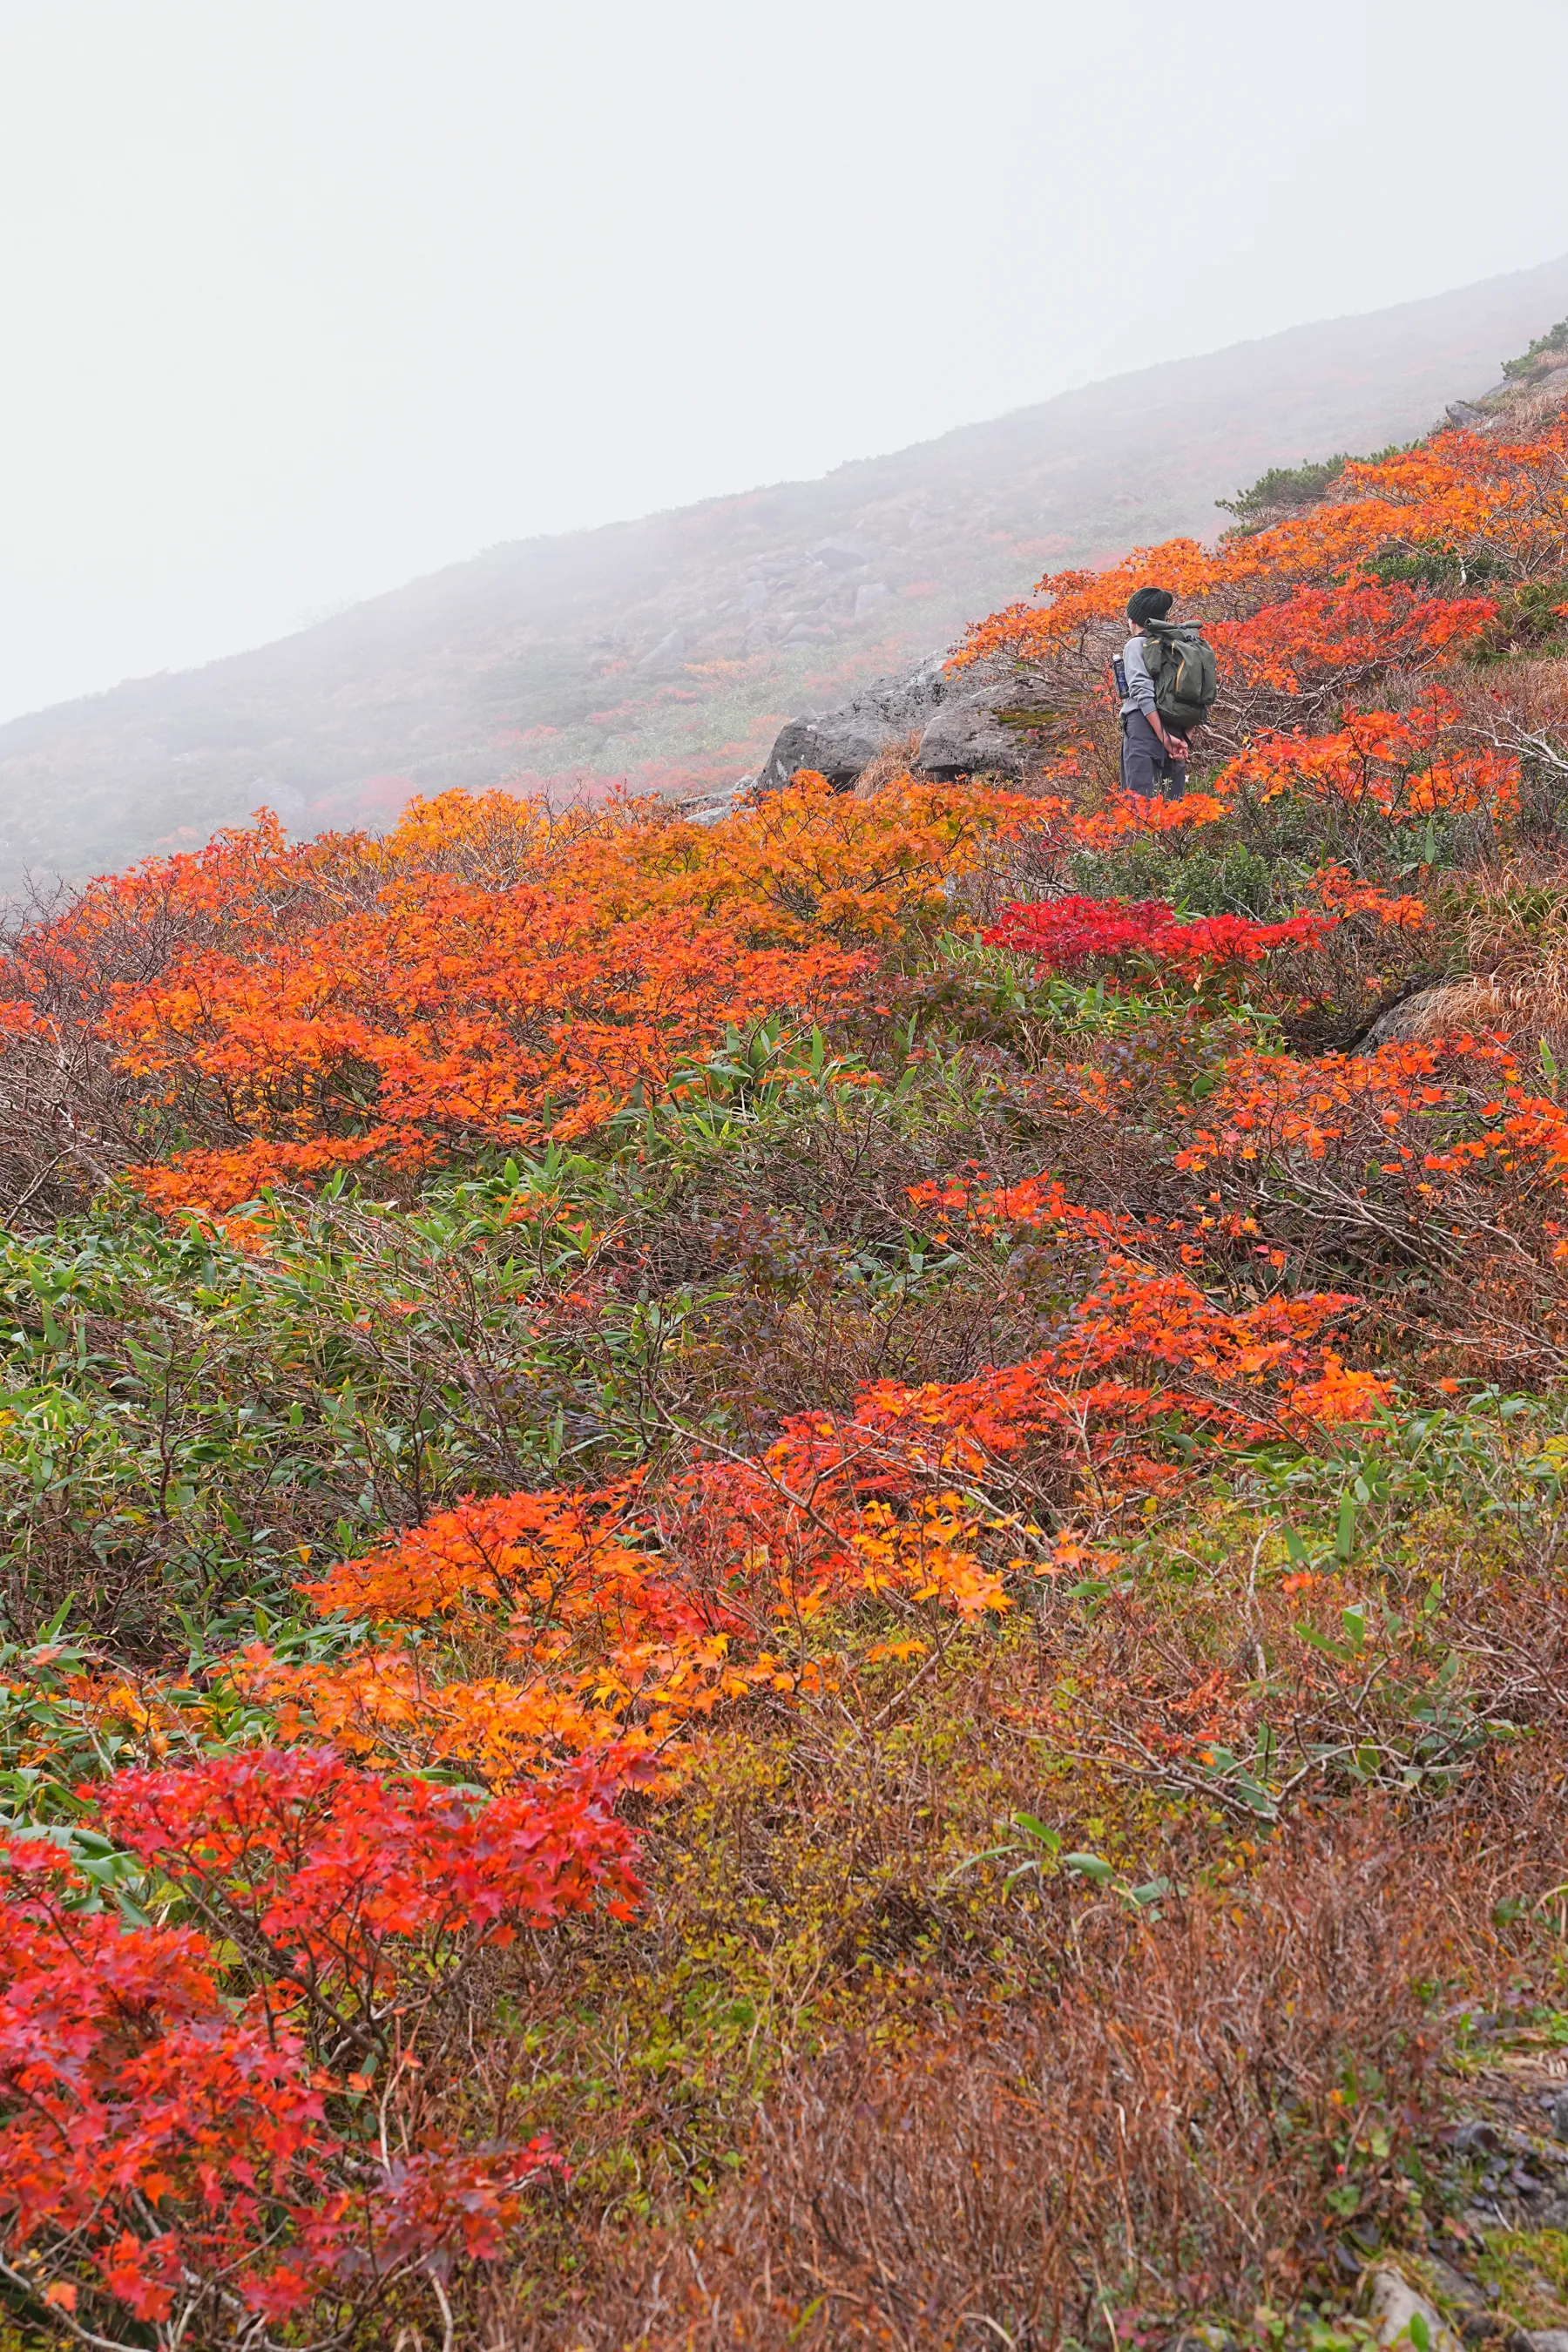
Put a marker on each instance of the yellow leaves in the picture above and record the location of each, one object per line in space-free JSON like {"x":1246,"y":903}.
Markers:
{"x":806,"y":862}
{"x":929,"y":1556}
{"x":383,"y":1704}
{"x":613,"y":1646}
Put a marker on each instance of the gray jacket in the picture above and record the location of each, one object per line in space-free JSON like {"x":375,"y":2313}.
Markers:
{"x":1140,"y":685}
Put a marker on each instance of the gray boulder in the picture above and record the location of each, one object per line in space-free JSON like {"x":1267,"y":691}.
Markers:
{"x":840,"y":743}
{"x":711,"y":807}
{"x":965,"y":738}
{"x":908,"y":701}
{"x":844,"y":555}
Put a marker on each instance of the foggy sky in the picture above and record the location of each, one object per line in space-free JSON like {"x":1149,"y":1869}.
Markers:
{"x":302,"y":298}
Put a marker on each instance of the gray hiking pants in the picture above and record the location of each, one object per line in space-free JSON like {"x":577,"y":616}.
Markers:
{"x":1146,"y":766}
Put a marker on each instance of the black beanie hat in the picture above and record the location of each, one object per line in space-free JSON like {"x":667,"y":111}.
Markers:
{"x":1148,"y":604}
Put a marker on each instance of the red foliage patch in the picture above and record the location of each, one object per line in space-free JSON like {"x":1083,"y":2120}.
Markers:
{"x":1067,"y":934}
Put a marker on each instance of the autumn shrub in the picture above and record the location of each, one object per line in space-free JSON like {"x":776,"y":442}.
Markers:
{"x":188,"y":2131}
{"x":1379,"y":776}
{"x":1394,"y":1173}
{"x":1067,"y":934}
{"x":1417,"y":1159}
{"x":262,"y":1014}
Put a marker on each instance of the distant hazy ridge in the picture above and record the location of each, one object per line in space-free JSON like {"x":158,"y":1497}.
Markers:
{"x":668,"y":651}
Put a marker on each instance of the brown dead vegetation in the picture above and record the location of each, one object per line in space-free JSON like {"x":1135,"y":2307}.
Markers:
{"x":1162,"y":2136}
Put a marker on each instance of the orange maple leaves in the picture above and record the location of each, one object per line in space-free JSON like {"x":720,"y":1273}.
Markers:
{"x":487,"y":975}
{"x":1396,"y":768}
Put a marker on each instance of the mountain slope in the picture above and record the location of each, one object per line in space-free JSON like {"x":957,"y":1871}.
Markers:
{"x":666,"y":651}
{"x":854,"y":1582}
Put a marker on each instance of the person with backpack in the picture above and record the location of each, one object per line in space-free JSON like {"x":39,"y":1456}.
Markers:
{"x":1168,"y":683}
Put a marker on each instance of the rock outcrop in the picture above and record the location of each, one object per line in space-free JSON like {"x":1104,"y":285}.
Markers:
{"x":839,"y":744}
{"x":957,"y":729}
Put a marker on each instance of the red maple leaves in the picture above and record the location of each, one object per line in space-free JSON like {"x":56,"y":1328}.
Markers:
{"x":1067,"y":934}
{"x":184,"y":2120}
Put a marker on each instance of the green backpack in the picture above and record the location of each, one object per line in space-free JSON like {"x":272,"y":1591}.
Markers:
{"x":1181,"y":671}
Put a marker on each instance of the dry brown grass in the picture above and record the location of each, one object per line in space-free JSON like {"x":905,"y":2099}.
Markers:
{"x":1524,"y":1005}
{"x":892,"y":763}
{"x":1531,"y":694}
{"x":1160,"y":2139}
{"x":1511,"y":940}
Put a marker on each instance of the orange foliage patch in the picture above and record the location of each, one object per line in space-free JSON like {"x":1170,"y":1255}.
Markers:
{"x":1402,"y":768}
{"x":490,"y":974}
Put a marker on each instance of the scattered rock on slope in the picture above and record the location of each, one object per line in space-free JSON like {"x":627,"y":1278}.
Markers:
{"x":844,"y":555}
{"x":1395,"y":2310}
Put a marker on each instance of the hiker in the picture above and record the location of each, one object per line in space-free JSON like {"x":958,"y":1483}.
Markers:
{"x":1168,"y":683}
